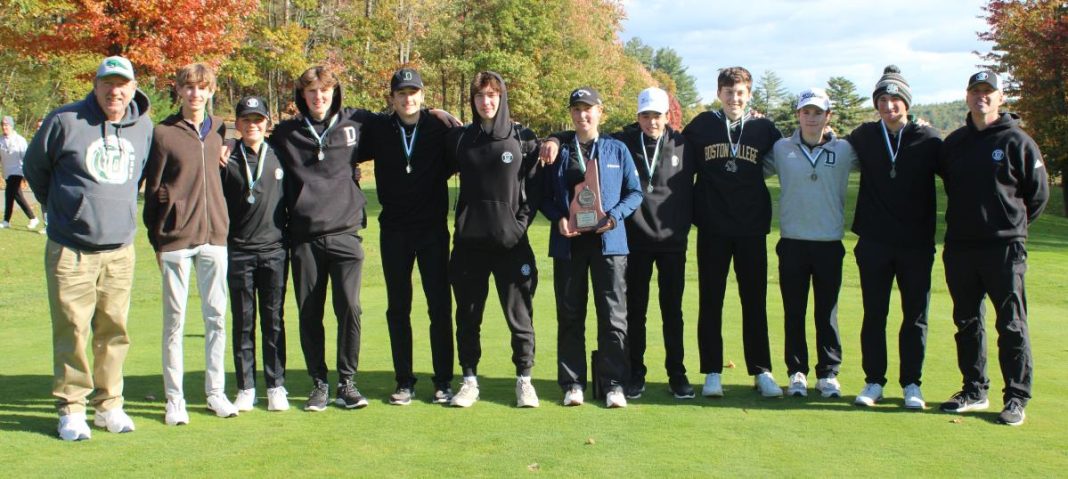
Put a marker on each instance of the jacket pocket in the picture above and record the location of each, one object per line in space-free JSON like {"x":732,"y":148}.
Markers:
{"x":488,"y":223}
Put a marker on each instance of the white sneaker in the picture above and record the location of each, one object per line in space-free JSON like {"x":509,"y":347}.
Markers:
{"x":765,"y":383}
{"x":525,"y":396}
{"x":221,"y":406}
{"x":615,"y":398}
{"x":467,"y":396}
{"x":574,"y":397}
{"x":114,"y":420}
{"x":798,"y":385}
{"x":176,"y":413}
{"x":829,"y":387}
{"x":5,"y":225}
{"x":277,"y":399}
{"x":913,"y":397}
{"x":73,"y":427}
{"x":871,"y":394}
{"x":32,"y":225}
{"x":246,"y":398}
{"x":713,"y":386}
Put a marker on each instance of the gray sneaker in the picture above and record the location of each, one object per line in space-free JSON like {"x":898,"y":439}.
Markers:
{"x":467,"y":396}
{"x":1013,"y":414}
{"x":349,"y":397}
{"x":402,"y":396}
{"x":525,"y":396}
{"x":442,"y":394}
{"x":318,"y":398}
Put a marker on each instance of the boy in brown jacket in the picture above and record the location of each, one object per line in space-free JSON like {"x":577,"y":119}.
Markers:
{"x":187,"y":222}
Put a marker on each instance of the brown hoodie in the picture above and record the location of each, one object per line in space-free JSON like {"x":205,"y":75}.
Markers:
{"x":184,"y":203}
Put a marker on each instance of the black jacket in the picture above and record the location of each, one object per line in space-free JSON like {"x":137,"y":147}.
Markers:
{"x":996,"y":183}
{"x":500,"y":186}
{"x":730,"y":196}
{"x":898,"y":210}
{"x":258,"y":226}
{"x":412,"y":201}
{"x":323,"y":197}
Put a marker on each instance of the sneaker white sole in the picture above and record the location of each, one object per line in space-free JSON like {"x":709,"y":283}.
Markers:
{"x":360,"y":404}
{"x":1023,"y":416}
{"x":866,"y":401}
{"x":979,"y":406}
{"x":916,"y":405}
{"x":314,"y":408}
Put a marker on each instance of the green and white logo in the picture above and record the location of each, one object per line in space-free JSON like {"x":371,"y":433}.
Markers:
{"x":110,"y":160}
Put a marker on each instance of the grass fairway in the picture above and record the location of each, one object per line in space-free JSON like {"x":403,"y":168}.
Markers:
{"x":739,"y":435}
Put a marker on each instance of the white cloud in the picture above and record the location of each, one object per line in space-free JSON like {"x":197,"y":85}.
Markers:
{"x":806,"y":42}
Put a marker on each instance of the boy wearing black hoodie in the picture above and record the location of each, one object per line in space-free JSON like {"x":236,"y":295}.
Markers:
{"x":500,"y":188}
{"x":411,"y":177}
{"x":996,"y":185}
{"x":318,"y":150}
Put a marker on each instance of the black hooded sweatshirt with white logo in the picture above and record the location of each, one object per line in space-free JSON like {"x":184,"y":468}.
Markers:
{"x":258,"y":226}
{"x":996,"y":183}
{"x":500,"y":180}
{"x":323,"y":197}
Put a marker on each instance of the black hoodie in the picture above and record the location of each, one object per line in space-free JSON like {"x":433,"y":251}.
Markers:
{"x":415,"y":199}
{"x":898,"y":210}
{"x":500,"y":180}
{"x":257,"y":226}
{"x":995,"y":182}
{"x":322,"y":196}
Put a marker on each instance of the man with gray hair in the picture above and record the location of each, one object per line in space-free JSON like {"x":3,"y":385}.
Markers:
{"x":12,"y":149}
{"x":84,"y":165}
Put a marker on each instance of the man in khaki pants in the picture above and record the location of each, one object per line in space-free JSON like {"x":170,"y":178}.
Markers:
{"x":84,"y":165}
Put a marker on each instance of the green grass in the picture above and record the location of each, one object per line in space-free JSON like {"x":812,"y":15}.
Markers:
{"x":739,"y":435}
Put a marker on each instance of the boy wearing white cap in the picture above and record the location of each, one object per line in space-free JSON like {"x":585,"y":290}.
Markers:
{"x":83,"y":165}
{"x":813,"y":168}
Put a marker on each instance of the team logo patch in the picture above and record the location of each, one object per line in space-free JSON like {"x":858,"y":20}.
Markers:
{"x":252,"y":103}
{"x":981,"y":76}
{"x":350,"y":136}
{"x":110,"y":160}
{"x":506,"y":157}
{"x":891,"y":89}
{"x":998,"y":155}
{"x":524,"y":270}
{"x":407,"y":75}
{"x":674,"y":161}
{"x":277,"y":173}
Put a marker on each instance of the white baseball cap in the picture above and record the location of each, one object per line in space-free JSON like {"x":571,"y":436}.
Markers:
{"x":653,"y":99}
{"x":816,"y":97}
{"x":115,"y":66}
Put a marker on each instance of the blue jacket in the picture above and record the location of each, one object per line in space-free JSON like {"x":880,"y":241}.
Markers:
{"x":620,"y":195}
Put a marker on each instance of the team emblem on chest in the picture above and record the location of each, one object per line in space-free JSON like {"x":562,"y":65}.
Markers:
{"x":674,"y":161}
{"x":998,"y":155}
{"x":506,"y":157}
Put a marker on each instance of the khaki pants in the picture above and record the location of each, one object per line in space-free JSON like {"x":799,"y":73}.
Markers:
{"x":88,"y":292}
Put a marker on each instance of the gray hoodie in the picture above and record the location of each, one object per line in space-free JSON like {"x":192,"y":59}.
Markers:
{"x":86,"y":170}
{"x":812,"y":201}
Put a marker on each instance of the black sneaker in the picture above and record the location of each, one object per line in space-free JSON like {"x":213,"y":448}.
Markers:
{"x":402,"y":396}
{"x":318,"y":398}
{"x":1013,"y":414}
{"x":349,"y":397}
{"x":442,"y":394}
{"x":635,"y":388}
{"x":681,"y":388}
{"x":965,"y":401}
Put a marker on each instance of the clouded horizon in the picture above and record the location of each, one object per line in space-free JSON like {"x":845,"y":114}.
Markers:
{"x":805,"y":42}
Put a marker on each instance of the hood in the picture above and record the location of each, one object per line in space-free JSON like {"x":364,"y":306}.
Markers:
{"x":502,"y":122}
{"x":137,"y":108}
{"x":302,"y":106}
{"x":1005,"y":121}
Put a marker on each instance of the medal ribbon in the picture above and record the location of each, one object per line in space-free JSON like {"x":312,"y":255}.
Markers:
{"x":650,"y":165}
{"x":578,"y":151}
{"x":409,"y":145}
{"x":738,"y":144}
{"x":321,"y":138}
{"x":813,"y":160}
{"x":259,"y":166}
{"x":889,"y":149}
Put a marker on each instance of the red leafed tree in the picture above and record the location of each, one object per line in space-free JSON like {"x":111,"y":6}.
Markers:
{"x":157,"y":35}
{"x":1031,"y":44}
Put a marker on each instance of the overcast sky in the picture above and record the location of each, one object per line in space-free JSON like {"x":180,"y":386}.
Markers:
{"x":806,"y":42}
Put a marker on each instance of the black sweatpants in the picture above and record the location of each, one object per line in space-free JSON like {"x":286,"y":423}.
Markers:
{"x":750,"y":254}
{"x":258,"y":277}
{"x":819,"y":264}
{"x":401,"y":251}
{"x":571,"y":278}
{"x":671,"y":280}
{"x":516,"y":278}
{"x":339,"y":259}
{"x":880,"y":264}
{"x":997,"y":272}
{"x":12,"y":195}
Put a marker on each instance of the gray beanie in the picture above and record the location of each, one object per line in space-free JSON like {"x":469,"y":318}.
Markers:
{"x":892,"y":83}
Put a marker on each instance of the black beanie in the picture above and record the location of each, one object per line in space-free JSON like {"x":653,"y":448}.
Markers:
{"x":892,"y":83}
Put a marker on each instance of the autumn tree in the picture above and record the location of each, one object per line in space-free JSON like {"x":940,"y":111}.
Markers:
{"x":847,"y":105}
{"x":1031,"y":44}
